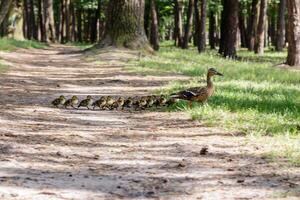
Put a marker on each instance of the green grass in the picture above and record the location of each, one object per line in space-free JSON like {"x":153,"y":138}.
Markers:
{"x":11,"y":44}
{"x":254,"y":97}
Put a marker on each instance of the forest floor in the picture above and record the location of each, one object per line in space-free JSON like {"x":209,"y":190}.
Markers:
{"x":49,"y":153}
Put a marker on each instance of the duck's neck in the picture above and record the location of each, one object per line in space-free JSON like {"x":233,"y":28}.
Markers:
{"x":209,"y":81}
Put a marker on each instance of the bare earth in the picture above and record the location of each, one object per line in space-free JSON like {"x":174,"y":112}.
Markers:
{"x":49,"y":153}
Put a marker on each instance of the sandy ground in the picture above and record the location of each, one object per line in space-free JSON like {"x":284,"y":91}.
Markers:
{"x":49,"y":153}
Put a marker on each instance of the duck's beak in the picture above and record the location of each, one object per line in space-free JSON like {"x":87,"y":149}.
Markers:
{"x":219,"y":74}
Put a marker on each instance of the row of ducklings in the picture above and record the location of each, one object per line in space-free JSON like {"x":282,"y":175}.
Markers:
{"x":110,"y":103}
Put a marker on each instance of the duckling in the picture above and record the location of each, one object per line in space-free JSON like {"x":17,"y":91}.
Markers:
{"x":86,"y":102}
{"x":118,"y":103}
{"x":150,"y":101}
{"x":59,"y":101}
{"x":71,"y":102}
{"x":199,"y":94}
{"x":109,"y":102}
{"x":128,"y":103}
{"x":161,"y":101}
{"x":142,"y":103}
{"x":100,"y":103}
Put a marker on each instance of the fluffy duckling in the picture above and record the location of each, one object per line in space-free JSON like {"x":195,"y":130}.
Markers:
{"x":86,"y":102}
{"x":118,"y":103}
{"x":161,"y":100}
{"x":59,"y":101}
{"x":71,"y":102}
{"x":142,"y":103}
{"x":128,"y":103}
{"x":100,"y":103}
{"x":150,"y":101}
{"x":171,"y":102}
{"x":109,"y":102}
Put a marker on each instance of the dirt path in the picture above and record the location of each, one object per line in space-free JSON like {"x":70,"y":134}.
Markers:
{"x":48,"y":153}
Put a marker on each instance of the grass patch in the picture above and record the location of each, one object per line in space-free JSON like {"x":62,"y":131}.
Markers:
{"x":11,"y":44}
{"x":254,"y":96}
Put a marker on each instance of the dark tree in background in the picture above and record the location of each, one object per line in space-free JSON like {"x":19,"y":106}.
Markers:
{"x":252,"y":25}
{"x":280,"y":36}
{"x":229,"y":27}
{"x":200,"y":20}
{"x":178,"y":29}
{"x":293,"y":58}
{"x":4,"y":8}
{"x":260,"y":37}
{"x":188,"y":25}
{"x":154,"y":37}
{"x":125,"y":25}
{"x":49,"y":21}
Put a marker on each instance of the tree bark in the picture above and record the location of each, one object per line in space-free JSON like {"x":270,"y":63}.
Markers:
{"x":293,"y":58}
{"x":32,"y":20}
{"x":212,"y":30}
{"x":125,"y":25}
{"x":280,"y":35}
{"x":188,"y":25}
{"x":252,"y":25}
{"x":202,"y":40}
{"x":229,"y":27}
{"x":16,"y":16}
{"x":242,"y":28}
{"x":178,"y":31}
{"x":154,"y":38}
{"x":5,"y":5}
{"x":49,"y":21}
{"x":260,"y":38}
{"x":41,"y":22}
{"x":79,"y":25}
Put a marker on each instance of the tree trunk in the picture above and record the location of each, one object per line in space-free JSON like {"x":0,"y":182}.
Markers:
{"x":33,"y":22}
{"x":79,"y":25}
{"x":26,"y":25}
{"x":67,"y":22}
{"x":178,"y":31}
{"x":252,"y":25}
{"x":260,"y":38}
{"x":49,"y":21}
{"x":280,"y":35}
{"x":154,"y":38}
{"x":125,"y":25}
{"x":212,"y":30}
{"x":41,"y":22}
{"x":293,"y":58}
{"x":188,"y":25}
{"x":62,"y":21}
{"x":202,"y":40}
{"x":5,"y":5}
{"x":16,"y":20}
{"x":229,"y":27}
{"x":242,"y":28}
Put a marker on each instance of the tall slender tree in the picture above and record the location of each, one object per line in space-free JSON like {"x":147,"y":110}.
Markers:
{"x":49,"y":21}
{"x":229,"y":27}
{"x":293,"y":57}
{"x":252,"y":27}
{"x":188,"y":25}
{"x":260,"y":37}
{"x":201,"y":25}
{"x":280,"y":35}
{"x":178,"y":30}
{"x":154,"y":38}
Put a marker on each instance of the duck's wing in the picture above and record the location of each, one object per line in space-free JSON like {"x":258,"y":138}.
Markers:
{"x":189,"y":93}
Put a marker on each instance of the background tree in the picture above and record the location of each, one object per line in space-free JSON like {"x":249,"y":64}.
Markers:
{"x":188,"y":25}
{"x":260,"y":37}
{"x":125,"y":25}
{"x":229,"y":27}
{"x":154,"y":38}
{"x":4,"y":7}
{"x":293,"y":58}
{"x":280,"y":35}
